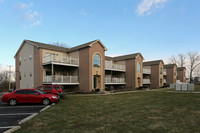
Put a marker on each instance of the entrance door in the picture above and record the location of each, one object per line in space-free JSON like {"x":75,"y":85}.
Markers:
{"x":139,"y":81}
{"x":95,"y":82}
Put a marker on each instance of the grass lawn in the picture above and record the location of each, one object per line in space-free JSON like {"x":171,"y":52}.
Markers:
{"x":132,"y":112}
{"x":197,"y":88}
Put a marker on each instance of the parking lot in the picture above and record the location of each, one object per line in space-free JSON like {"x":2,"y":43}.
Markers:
{"x":11,"y":115}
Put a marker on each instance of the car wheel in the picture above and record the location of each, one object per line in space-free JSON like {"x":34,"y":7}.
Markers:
{"x":46,"y":101}
{"x":13,"y":102}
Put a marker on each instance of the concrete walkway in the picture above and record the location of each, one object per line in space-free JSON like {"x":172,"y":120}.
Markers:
{"x":167,"y":90}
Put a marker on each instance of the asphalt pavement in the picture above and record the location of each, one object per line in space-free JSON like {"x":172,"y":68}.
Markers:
{"x":11,"y":115}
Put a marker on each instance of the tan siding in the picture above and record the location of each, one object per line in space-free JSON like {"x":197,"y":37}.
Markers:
{"x":38,"y":68}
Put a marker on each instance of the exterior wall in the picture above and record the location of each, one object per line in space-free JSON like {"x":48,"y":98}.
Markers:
{"x":155,"y":72}
{"x":27,"y":66}
{"x":181,"y":76}
{"x":84,"y":70}
{"x":17,"y":72}
{"x":38,"y":68}
{"x":97,"y":48}
{"x":156,"y":77}
{"x":139,"y":74}
{"x":130,"y":74}
{"x":171,"y":76}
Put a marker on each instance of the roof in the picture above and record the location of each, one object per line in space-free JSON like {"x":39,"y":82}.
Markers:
{"x":151,"y":63}
{"x":170,"y":66}
{"x":49,"y":46}
{"x":124,"y":57}
{"x":59,"y":48}
{"x":88,"y":44}
{"x":181,"y":68}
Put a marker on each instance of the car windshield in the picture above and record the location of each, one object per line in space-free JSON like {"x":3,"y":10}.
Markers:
{"x":42,"y":92}
{"x":56,"y":87}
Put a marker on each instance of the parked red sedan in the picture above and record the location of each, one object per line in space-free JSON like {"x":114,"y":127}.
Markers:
{"x":29,"y":96}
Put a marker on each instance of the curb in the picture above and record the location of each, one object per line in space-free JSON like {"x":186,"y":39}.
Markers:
{"x":27,"y":118}
{"x":15,"y":128}
{"x":45,"y":108}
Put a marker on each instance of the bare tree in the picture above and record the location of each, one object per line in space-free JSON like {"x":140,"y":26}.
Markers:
{"x":173,"y":59}
{"x":181,"y":60}
{"x":194,"y":62}
{"x":178,"y":60}
{"x":4,"y":80}
{"x":60,"y":44}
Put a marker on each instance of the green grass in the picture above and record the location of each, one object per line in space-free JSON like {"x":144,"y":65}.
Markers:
{"x":148,"y":112}
{"x":197,"y":88}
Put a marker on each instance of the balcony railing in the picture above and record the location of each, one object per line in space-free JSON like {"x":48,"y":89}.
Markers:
{"x":164,"y":72}
{"x":109,"y":65}
{"x":146,"y":81}
{"x":60,"y":79}
{"x":60,"y":59}
{"x":115,"y":80}
{"x":146,"y":71}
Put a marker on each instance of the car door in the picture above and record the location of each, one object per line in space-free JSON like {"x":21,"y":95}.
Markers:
{"x":48,"y":89}
{"x":33,"y":96}
{"x":21,"y":96}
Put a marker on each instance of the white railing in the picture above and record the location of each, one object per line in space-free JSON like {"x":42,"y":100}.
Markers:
{"x":164,"y":81}
{"x":60,"y":59}
{"x":60,"y":79}
{"x":146,"y":81}
{"x":110,"y":65}
{"x":146,"y":71}
{"x":114,"y":80}
{"x":164,"y":72}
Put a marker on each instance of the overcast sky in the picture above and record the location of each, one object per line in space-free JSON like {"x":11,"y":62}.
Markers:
{"x":156,"y":28}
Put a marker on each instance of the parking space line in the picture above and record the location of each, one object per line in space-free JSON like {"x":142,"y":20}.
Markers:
{"x":22,"y":107}
{"x":17,"y":114}
{"x":8,"y":127}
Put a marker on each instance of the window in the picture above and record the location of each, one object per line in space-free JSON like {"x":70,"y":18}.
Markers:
{"x":97,"y":60}
{"x":40,"y":88}
{"x":30,"y":74}
{"x":138,"y":67}
{"x":31,"y":92}
{"x":20,"y":92}
{"x":47,"y":88}
{"x":24,"y":59}
{"x":20,"y":77}
{"x":20,"y":61}
{"x":161,"y":70}
{"x":30,"y":57}
{"x":56,"y":87}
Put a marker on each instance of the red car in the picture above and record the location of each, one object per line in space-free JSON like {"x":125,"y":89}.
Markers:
{"x":29,"y":96}
{"x":52,"y":89}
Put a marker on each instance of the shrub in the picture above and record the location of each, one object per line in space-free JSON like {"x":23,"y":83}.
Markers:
{"x":97,"y":90}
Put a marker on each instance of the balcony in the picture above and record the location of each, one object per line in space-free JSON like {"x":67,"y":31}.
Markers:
{"x":146,"y":81}
{"x":60,"y":60}
{"x":114,"y":80}
{"x":114,"y":67}
{"x":60,"y":79}
{"x":164,"y":81}
{"x":146,"y":71}
{"x":164,"y":72}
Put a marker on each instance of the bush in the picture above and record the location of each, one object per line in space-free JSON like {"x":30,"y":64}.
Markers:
{"x":97,"y":90}
{"x":107,"y":89}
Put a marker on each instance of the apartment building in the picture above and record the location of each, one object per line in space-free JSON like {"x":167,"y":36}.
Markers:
{"x":181,"y":74}
{"x":153,"y":74}
{"x":124,"y":71}
{"x":83,"y":68}
{"x":171,"y":70}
